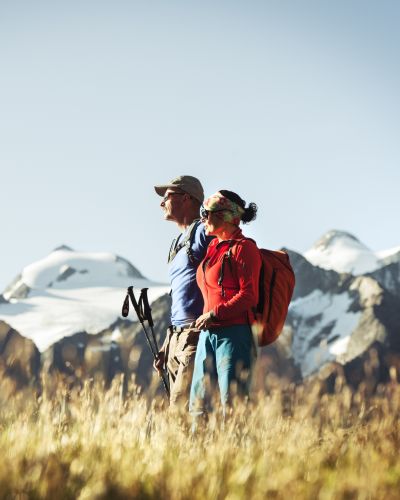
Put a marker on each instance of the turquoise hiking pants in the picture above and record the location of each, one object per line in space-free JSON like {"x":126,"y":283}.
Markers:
{"x":224,"y":357}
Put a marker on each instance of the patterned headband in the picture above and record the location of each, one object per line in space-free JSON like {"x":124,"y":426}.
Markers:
{"x":232,"y":212}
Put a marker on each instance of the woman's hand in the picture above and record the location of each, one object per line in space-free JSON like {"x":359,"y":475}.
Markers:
{"x":205,"y":320}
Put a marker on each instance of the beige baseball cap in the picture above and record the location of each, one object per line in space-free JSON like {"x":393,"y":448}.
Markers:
{"x":187,"y":183}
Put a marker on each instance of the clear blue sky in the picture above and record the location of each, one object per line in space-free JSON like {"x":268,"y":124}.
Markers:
{"x":295,"y":105}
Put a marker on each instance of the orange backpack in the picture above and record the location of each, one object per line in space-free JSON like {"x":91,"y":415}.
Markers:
{"x":276,"y":287}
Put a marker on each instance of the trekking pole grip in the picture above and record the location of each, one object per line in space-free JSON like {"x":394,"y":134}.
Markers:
{"x":146,"y":307}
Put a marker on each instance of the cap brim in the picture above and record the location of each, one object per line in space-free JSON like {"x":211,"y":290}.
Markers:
{"x":160,"y":190}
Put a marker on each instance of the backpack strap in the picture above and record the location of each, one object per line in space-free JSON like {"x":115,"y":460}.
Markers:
{"x":187,"y":242}
{"x":227,"y":256}
{"x":190,"y":240}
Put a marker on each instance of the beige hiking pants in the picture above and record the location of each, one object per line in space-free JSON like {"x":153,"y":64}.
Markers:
{"x":180,"y":350}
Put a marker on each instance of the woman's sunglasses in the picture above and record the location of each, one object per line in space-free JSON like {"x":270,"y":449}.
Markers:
{"x":204,"y":213}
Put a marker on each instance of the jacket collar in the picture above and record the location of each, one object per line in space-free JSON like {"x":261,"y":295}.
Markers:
{"x":236,"y":236}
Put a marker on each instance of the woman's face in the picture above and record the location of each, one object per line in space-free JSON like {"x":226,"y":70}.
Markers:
{"x":213,"y":224}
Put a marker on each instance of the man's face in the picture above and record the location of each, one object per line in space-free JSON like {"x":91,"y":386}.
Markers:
{"x":173,"y":204}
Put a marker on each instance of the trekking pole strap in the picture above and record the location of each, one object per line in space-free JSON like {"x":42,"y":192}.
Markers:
{"x":125,"y":306}
{"x":146,"y":311}
{"x":135,"y":304}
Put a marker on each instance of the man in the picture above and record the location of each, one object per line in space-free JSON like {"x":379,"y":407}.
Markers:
{"x":181,"y":202}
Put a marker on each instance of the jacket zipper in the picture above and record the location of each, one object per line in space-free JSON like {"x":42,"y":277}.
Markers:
{"x":204,"y":266}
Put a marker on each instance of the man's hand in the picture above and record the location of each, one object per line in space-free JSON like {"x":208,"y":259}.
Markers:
{"x":158,"y":364}
{"x":205,"y":320}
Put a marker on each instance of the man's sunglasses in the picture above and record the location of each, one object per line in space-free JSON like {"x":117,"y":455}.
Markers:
{"x":166,"y":197}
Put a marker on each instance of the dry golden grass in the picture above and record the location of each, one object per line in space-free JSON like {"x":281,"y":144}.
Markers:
{"x":290,"y":444}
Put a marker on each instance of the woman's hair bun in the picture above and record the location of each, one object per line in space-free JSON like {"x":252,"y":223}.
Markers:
{"x":250,"y":212}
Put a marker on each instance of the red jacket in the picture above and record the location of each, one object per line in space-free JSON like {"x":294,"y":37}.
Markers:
{"x":232,"y":303}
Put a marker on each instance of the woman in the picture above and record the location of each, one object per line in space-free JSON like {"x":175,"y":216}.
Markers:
{"x":228,"y":279}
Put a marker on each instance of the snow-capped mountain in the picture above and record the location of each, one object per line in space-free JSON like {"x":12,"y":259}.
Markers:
{"x":69,"y":292}
{"x":344,"y":253}
{"x":389,"y":256}
{"x":65,"y":269}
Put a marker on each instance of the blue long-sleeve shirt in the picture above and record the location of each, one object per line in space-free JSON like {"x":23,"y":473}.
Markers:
{"x":187,"y":301}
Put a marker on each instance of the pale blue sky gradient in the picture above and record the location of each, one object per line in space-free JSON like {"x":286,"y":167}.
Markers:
{"x":295,"y":105}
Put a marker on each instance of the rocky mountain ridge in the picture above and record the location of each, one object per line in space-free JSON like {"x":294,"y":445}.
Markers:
{"x":65,"y":311}
{"x":337,"y":317}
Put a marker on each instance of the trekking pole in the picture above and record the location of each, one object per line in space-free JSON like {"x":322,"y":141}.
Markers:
{"x":145,"y":311}
{"x":139,"y":314}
